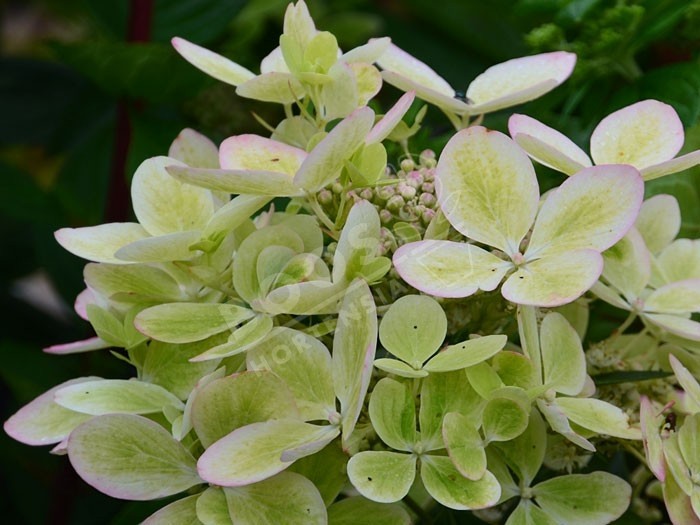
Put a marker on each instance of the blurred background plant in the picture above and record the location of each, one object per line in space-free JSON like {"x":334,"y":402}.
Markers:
{"x":90,"y":88}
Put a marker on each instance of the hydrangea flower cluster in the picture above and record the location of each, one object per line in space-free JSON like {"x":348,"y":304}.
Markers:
{"x":318,"y":338}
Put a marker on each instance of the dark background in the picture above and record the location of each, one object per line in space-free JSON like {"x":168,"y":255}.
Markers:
{"x":90,"y":88}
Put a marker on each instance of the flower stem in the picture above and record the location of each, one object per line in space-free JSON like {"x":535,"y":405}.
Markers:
{"x":529,"y":336}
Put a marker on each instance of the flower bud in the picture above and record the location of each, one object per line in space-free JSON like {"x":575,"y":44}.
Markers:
{"x":407,"y":165}
{"x":395,"y":203}
{"x":427,"y":199}
{"x":325,"y":197}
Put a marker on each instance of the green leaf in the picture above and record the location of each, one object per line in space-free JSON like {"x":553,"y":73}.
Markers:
{"x":304,"y":364}
{"x":131,"y":457}
{"x":189,"y":322}
{"x":357,"y":510}
{"x":286,"y":498}
{"x":43,"y":421}
{"x":180,"y":512}
{"x":260,"y":450}
{"x":563,"y":360}
{"x":413,"y":329}
{"x":164,"y":205}
{"x":444,"y":483}
{"x":354,"y":345}
{"x":464,"y":445}
{"x":116,"y":396}
{"x":584,"y":499}
{"x":232,"y":402}
{"x":384,"y":477}
{"x":481,"y":174}
{"x":467,"y":353}
{"x":392,"y":411}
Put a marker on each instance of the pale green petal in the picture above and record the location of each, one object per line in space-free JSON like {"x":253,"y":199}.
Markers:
{"x":449,"y":269}
{"x":369,"y":81}
{"x":413,"y":329}
{"x":689,"y":444}
{"x":212,"y":64}
{"x":135,"y":282}
{"x":340,"y":96}
{"x":253,"y":182}
{"x":680,"y":297}
{"x":527,"y":513}
{"x":188,"y":322}
{"x":179,"y":512}
{"x":326,"y":469}
{"x":357,"y":510}
{"x":676,"y":325}
{"x":391,"y":118}
{"x":659,"y":221}
{"x":384,"y":477}
{"x":556,"y":418}
{"x":467,"y":353}
{"x":287,"y":498}
{"x":554,"y":280}
{"x":688,"y":382}
{"x":298,"y":23}
{"x":367,"y":53}
{"x":163,"y":204}
{"x":519,"y":80}
{"x":483,"y":379}
{"x":99,"y":243}
{"x":232,"y":402}
{"x":546,"y":145}
{"x":212,"y":508}
{"x":405,"y":82}
{"x":307,"y":298}
{"x":676,"y":464}
{"x":515,"y":369}
{"x":487,"y":188}
{"x":399,"y":368}
{"x":563,"y":359}
{"x":650,"y":423}
{"x":256,"y":153}
{"x":295,"y":131}
{"x":642,"y":134}
{"x":525,"y":453}
{"x":281,"y":88}
{"x":163,"y":248}
{"x":354,"y":346}
{"x":257,"y":451}
{"x":627,"y":265}
{"x":194,"y":149}
{"x":662,"y":169}
{"x":231,"y":216}
{"x":131,"y":457}
{"x":464,"y":445}
{"x":42,"y":421}
{"x":398,"y":61}
{"x":242,"y":339}
{"x":325,"y":161}
{"x":358,"y":244}
{"x":678,"y":504}
{"x":444,"y":483}
{"x":598,"y":416}
{"x":392,"y":410}
{"x":610,"y":296}
{"x":592,"y":209}
{"x":304,"y":364}
{"x":680,"y":260}
{"x":506,"y":414}
{"x":584,"y":499}
{"x":116,"y":396}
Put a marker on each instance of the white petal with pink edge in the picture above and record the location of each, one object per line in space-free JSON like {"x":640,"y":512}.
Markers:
{"x":383,"y":128}
{"x":194,"y":149}
{"x":592,"y":209}
{"x":77,"y":347}
{"x":681,"y":163}
{"x":676,"y":325}
{"x":396,"y":60}
{"x":643,"y":134}
{"x":99,"y":243}
{"x":546,"y":145}
{"x":253,"y":152}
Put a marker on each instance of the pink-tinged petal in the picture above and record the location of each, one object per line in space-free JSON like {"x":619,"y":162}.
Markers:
{"x":643,"y":134}
{"x":76,"y":347}
{"x":487,"y":188}
{"x":326,"y":160}
{"x":445,"y":102}
{"x":449,"y":269}
{"x":681,"y":297}
{"x":659,"y":221}
{"x":546,"y":145}
{"x":610,"y":296}
{"x":592,"y":209}
{"x":60,"y":449}
{"x":255,"y":153}
{"x":194,"y":149}
{"x":396,"y":60}
{"x":42,"y":421}
{"x":244,"y":182}
{"x":676,"y":325}
{"x":274,"y":62}
{"x":554,"y":280}
{"x":213,"y":64}
{"x":653,"y":447}
{"x":681,"y":163}
{"x":367,"y":53}
{"x":83,"y":299}
{"x":383,"y":128}
{"x":99,"y":243}
{"x":519,"y":80}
